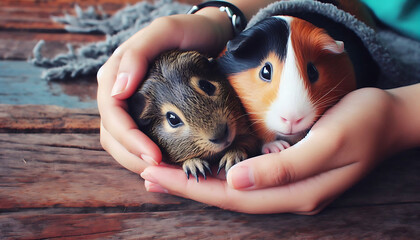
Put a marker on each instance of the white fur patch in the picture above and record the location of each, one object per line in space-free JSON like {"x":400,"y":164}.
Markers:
{"x":293,"y":101}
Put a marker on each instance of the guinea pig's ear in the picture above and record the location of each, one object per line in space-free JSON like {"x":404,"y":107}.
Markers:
{"x":139,"y":108}
{"x":336,"y":47}
{"x":243,"y":43}
{"x":252,"y":41}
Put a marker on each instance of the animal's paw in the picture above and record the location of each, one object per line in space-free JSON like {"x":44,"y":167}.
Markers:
{"x":231,"y":158}
{"x":275,"y":146}
{"x":195,"y":166}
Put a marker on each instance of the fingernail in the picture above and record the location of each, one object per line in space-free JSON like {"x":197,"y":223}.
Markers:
{"x":148,"y":177}
{"x":120,"y":84}
{"x":117,"y":51}
{"x":240,"y":177}
{"x":99,"y":73}
{"x":148,"y":159}
{"x":153,"y":187}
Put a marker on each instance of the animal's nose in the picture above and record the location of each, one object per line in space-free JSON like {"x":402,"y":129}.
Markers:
{"x":221,"y":134}
{"x":292,"y":120}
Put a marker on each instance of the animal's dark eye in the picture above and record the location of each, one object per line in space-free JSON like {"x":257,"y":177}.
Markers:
{"x":207,"y":87}
{"x":313,"y":74}
{"x":174,"y":120}
{"x":266,"y":72}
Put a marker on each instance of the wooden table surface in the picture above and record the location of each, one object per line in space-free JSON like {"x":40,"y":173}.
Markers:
{"x":57,"y":182}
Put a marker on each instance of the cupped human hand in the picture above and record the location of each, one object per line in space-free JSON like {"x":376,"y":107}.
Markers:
{"x":341,"y":148}
{"x":120,"y":76}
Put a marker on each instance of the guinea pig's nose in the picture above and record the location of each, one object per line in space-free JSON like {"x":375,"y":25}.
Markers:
{"x":221,"y":134}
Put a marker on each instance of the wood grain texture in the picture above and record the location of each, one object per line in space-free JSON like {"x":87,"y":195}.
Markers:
{"x":47,"y":119}
{"x":380,"y":222}
{"x":24,"y":22}
{"x":36,"y":15}
{"x":18,"y":45}
{"x":395,"y":180}
{"x":70,"y":172}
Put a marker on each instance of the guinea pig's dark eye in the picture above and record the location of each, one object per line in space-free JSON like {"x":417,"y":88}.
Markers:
{"x":313,"y":74}
{"x":266,"y":72}
{"x":174,"y":120}
{"x":207,"y":87}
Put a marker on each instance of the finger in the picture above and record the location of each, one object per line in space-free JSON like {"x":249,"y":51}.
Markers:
{"x":136,"y":55}
{"x":119,"y":153}
{"x":215,"y":192}
{"x":309,"y":157}
{"x":308,"y":196}
{"x":327,"y":146}
{"x":117,"y":121}
{"x":185,"y":31}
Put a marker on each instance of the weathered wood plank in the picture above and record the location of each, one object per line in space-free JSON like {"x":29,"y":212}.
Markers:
{"x":24,"y":23}
{"x":396,"y":180}
{"x":19,"y":45}
{"x":47,"y":119}
{"x":36,"y":15}
{"x":21,"y":83}
{"x":372,"y":222}
{"x":70,"y":171}
{"x":33,"y":14}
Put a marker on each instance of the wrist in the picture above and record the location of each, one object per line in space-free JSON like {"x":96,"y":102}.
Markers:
{"x":405,"y":111}
{"x":236,"y":17}
{"x":223,"y":24}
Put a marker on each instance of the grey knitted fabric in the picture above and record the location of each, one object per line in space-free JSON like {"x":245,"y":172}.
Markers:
{"x":119,"y":27}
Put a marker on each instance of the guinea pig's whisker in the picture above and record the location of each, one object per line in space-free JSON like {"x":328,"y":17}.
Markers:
{"x":326,"y":105}
{"x":255,"y":122}
{"x":325,"y":102}
{"x":332,"y":89}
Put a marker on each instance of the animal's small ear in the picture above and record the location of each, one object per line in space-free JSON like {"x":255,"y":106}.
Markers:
{"x":254,"y":39}
{"x":235,"y":44}
{"x":334,"y":46}
{"x":139,"y":108}
{"x":244,"y":42}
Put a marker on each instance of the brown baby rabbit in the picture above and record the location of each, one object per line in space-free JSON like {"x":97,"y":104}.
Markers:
{"x":188,"y":108}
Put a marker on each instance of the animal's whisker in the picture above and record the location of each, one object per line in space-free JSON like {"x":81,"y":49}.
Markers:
{"x":327,"y":102}
{"x":323,"y":101}
{"x":327,"y":93}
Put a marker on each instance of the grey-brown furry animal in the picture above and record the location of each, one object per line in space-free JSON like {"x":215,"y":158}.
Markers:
{"x":188,"y":108}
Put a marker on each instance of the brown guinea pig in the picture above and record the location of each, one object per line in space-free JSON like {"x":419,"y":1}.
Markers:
{"x":188,"y":108}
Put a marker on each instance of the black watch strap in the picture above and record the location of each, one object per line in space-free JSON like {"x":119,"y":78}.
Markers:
{"x":235,"y":15}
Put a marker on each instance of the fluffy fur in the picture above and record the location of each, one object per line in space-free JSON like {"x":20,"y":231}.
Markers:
{"x":189,"y":90}
{"x":308,"y":72}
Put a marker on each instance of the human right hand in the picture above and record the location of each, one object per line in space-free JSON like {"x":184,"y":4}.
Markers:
{"x":346,"y":143}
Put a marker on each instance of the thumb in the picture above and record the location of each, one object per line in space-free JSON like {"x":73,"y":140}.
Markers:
{"x":307,"y":158}
{"x":132,"y":67}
